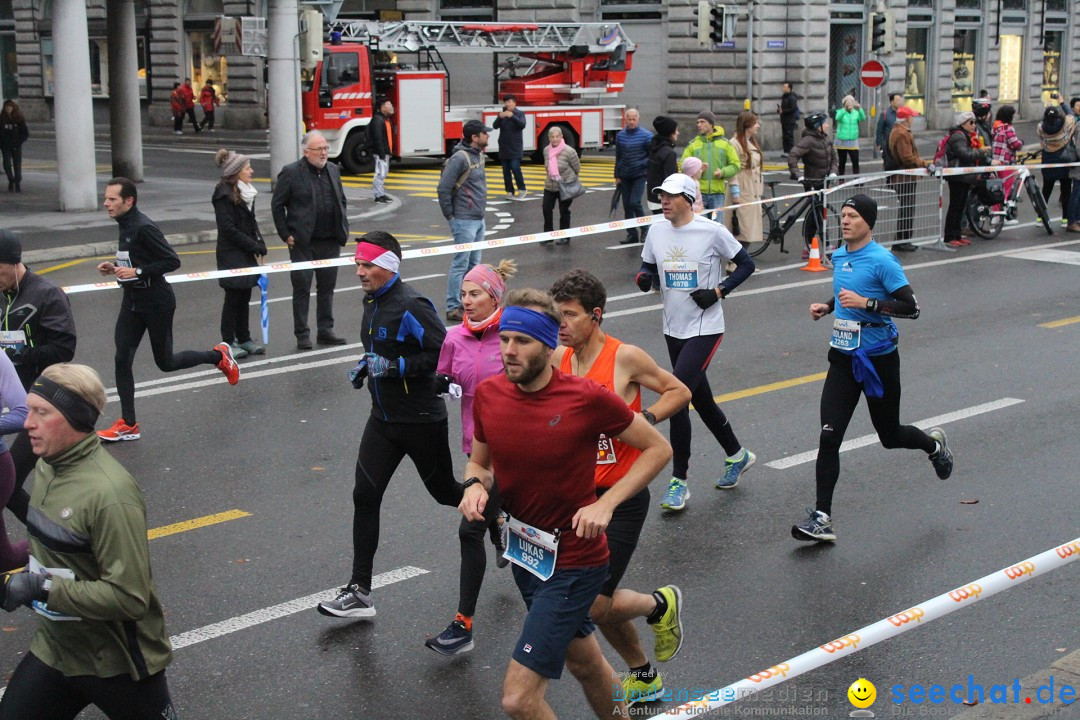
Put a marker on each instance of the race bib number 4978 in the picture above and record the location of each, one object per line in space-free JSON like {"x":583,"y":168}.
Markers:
{"x":680,"y":275}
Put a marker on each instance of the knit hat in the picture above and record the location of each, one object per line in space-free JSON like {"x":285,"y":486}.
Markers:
{"x":865,"y":206}
{"x":230,"y":162}
{"x":487,"y":278}
{"x":10,"y":248}
{"x":664,"y":126}
{"x":691,"y":166}
{"x":707,"y":117}
{"x":963,"y":117}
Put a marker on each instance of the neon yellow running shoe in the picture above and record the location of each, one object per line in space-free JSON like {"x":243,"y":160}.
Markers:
{"x":668,"y":630}
{"x":636,"y":690}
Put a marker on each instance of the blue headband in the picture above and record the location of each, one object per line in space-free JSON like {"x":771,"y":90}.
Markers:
{"x":532,"y":323}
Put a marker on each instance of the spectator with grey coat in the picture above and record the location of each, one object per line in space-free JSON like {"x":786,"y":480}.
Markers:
{"x":463,"y":201}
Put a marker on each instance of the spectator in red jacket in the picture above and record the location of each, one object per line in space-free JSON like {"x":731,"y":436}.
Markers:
{"x":208,"y":98}
{"x":176,"y":102}
{"x":189,"y":104}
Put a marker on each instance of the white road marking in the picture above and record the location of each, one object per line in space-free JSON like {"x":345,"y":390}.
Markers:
{"x":242,"y":622}
{"x":1051,"y":256}
{"x":793,"y":460}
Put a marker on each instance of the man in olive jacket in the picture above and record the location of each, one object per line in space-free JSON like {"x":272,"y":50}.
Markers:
{"x":102,"y":640}
{"x":309,"y":215}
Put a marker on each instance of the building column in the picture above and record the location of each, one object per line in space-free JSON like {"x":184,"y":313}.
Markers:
{"x":125,"y":122}
{"x":74,"y":108}
{"x":284,"y":88}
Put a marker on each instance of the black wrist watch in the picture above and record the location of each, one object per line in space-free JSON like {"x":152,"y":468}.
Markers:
{"x":649,"y":416}
{"x":470,"y":482}
{"x":138,"y":272}
{"x":872,"y":304}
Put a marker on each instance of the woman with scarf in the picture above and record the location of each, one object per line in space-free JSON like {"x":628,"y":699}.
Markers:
{"x":562,"y":164}
{"x":470,"y":354}
{"x":239,"y":245}
{"x":962,"y":149}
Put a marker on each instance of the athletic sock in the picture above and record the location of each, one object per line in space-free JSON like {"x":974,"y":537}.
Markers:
{"x":661,"y":608}
{"x":645,"y":672}
{"x":466,"y":621}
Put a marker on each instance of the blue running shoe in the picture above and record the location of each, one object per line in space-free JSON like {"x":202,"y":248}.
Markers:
{"x":816,"y":527}
{"x":453,"y":640}
{"x":677,"y":495}
{"x":733,"y":469}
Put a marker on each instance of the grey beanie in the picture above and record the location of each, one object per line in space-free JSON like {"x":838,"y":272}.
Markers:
{"x":230,"y":162}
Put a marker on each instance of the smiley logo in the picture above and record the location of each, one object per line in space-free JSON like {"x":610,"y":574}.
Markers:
{"x":862,"y":693}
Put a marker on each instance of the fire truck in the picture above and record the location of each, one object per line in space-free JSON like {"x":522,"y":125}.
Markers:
{"x":554,"y":70}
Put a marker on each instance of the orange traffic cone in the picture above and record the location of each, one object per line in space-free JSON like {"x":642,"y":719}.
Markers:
{"x":814,"y":263}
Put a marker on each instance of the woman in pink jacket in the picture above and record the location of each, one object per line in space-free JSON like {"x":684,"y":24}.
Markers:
{"x":470,"y":354}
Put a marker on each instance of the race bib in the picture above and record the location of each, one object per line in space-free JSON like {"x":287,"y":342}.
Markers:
{"x":605,"y":451}
{"x":680,"y":275}
{"x":530,"y":548}
{"x":123,"y":259}
{"x":12,"y":340}
{"x":846,"y":334}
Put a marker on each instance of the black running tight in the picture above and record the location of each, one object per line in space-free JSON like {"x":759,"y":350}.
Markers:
{"x":382,"y":448}
{"x":474,"y":553}
{"x":839,"y":397}
{"x":130,"y":328}
{"x":690,"y":359}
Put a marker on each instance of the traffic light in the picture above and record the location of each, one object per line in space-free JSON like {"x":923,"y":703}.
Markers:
{"x":877,"y":32}
{"x":716,"y":23}
{"x":703,"y":21}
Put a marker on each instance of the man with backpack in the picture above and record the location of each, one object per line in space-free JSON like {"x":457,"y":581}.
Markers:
{"x":1055,"y":133}
{"x":463,"y":201}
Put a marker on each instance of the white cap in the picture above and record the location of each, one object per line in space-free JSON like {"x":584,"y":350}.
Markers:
{"x":679,"y":184}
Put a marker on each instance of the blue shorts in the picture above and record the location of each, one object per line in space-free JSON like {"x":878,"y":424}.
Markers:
{"x":558,"y":613}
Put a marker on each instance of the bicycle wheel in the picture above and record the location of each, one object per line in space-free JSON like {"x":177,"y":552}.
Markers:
{"x":768,"y":226}
{"x":983,"y":221}
{"x":1041,"y":211}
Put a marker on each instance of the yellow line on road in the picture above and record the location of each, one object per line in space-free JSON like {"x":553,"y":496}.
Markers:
{"x":195,"y":524}
{"x":762,"y":389}
{"x":1060,"y":323}
{"x":61,"y":266}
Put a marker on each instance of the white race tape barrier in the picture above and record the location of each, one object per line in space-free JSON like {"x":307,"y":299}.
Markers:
{"x":913,"y":617}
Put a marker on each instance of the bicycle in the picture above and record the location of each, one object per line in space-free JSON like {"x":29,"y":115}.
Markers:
{"x":987,"y":213}
{"x":775,"y":225}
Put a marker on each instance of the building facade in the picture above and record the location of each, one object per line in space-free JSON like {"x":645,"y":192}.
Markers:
{"x":944,"y":53}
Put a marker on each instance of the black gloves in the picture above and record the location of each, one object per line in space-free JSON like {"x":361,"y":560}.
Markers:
{"x":705,"y":297}
{"x":22,"y":589}
{"x":645,"y":281}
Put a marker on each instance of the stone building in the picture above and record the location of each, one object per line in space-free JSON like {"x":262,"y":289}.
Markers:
{"x":945,"y":51}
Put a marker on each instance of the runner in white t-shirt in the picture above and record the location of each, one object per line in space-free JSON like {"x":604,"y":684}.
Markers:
{"x":684,"y":256}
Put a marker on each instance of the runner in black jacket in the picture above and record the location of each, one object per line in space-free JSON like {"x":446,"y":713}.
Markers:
{"x":39,"y":331}
{"x":402,"y":334}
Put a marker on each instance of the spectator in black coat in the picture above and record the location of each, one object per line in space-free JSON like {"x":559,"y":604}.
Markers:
{"x":511,"y":124}
{"x":382,"y":146}
{"x":663,"y":160}
{"x":239,"y":245}
{"x":13,"y":134}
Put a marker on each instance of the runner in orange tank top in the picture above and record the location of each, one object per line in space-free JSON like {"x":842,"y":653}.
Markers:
{"x":589,"y":352}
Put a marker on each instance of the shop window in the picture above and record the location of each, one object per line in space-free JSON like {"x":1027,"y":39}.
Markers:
{"x":1014,"y":5}
{"x":1051,"y":78}
{"x":965,"y":44}
{"x":1056,"y":6}
{"x":99,"y":65}
{"x":969,"y":4}
{"x":918,"y":47}
{"x":631,"y":9}
{"x":1012,"y":53}
{"x":454,"y":10}
{"x":206,"y":64}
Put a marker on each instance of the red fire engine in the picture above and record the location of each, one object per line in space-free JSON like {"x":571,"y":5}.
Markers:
{"x":566,"y":65}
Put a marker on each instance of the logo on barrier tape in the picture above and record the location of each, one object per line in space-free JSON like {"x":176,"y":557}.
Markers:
{"x":966,"y":592}
{"x":914,"y":614}
{"x":842,"y":643}
{"x":1018,"y":571}
{"x":780,"y":670}
{"x":1068,"y":549}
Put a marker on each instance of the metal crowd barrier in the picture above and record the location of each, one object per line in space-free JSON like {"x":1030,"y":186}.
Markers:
{"x":909,"y":206}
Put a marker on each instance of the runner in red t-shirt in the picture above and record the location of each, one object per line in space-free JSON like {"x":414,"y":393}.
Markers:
{"x":590,"y":353}
{"x":537,"y":430}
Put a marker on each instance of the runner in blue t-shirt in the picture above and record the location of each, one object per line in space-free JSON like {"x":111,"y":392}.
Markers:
{"x":869,"y":289}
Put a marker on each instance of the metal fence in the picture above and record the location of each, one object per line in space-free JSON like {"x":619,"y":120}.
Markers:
{"x":909,"y":206}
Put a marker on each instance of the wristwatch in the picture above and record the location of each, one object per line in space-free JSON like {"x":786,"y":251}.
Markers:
{"x":649,"y":416}
{"x":470,"y":482}
{"x":138,"y":272}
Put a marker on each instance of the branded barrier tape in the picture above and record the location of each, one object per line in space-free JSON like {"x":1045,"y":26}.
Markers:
{"x":894,"y":625}
{"x":581,"y":231}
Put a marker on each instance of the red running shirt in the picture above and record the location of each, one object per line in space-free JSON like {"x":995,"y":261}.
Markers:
{"x":543,"y":453}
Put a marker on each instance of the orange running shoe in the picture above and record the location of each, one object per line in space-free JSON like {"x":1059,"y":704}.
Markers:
{"x":227,"y":365}
{"x":120,"y":430}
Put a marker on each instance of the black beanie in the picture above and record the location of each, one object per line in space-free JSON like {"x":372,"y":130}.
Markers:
{"x":10,"y":248}
{"x":865,"y":206}
{"x":664,"y":126}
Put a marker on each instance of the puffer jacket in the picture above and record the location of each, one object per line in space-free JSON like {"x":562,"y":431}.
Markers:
{"x":960,"y":153}
{"x":569,"y":168}
{"x":818,"y":156}
{"x":469,"y":201}
{"x":662,"y":162}
{"x":631,"y":154}
{"x":847,"y":123}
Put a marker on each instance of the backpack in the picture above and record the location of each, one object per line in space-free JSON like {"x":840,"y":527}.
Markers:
{"x":942,"y":145}
{"x":469,"y":167}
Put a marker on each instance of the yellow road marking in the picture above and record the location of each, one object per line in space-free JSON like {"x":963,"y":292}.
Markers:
{"x":1060,"y":323}
{"x":762,"y":389}
{"x":195,"y":524}
{"x":61,"y":266}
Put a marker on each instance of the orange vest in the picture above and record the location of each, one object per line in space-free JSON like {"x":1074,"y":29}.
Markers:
{"x":613,"y":458}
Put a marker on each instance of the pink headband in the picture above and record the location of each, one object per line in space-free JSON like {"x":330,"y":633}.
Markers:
{"x":380,"y":257}
{"x":486,"y":277}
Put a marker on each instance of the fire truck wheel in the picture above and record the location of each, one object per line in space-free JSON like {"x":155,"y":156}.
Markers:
{"x":356,"y":157}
